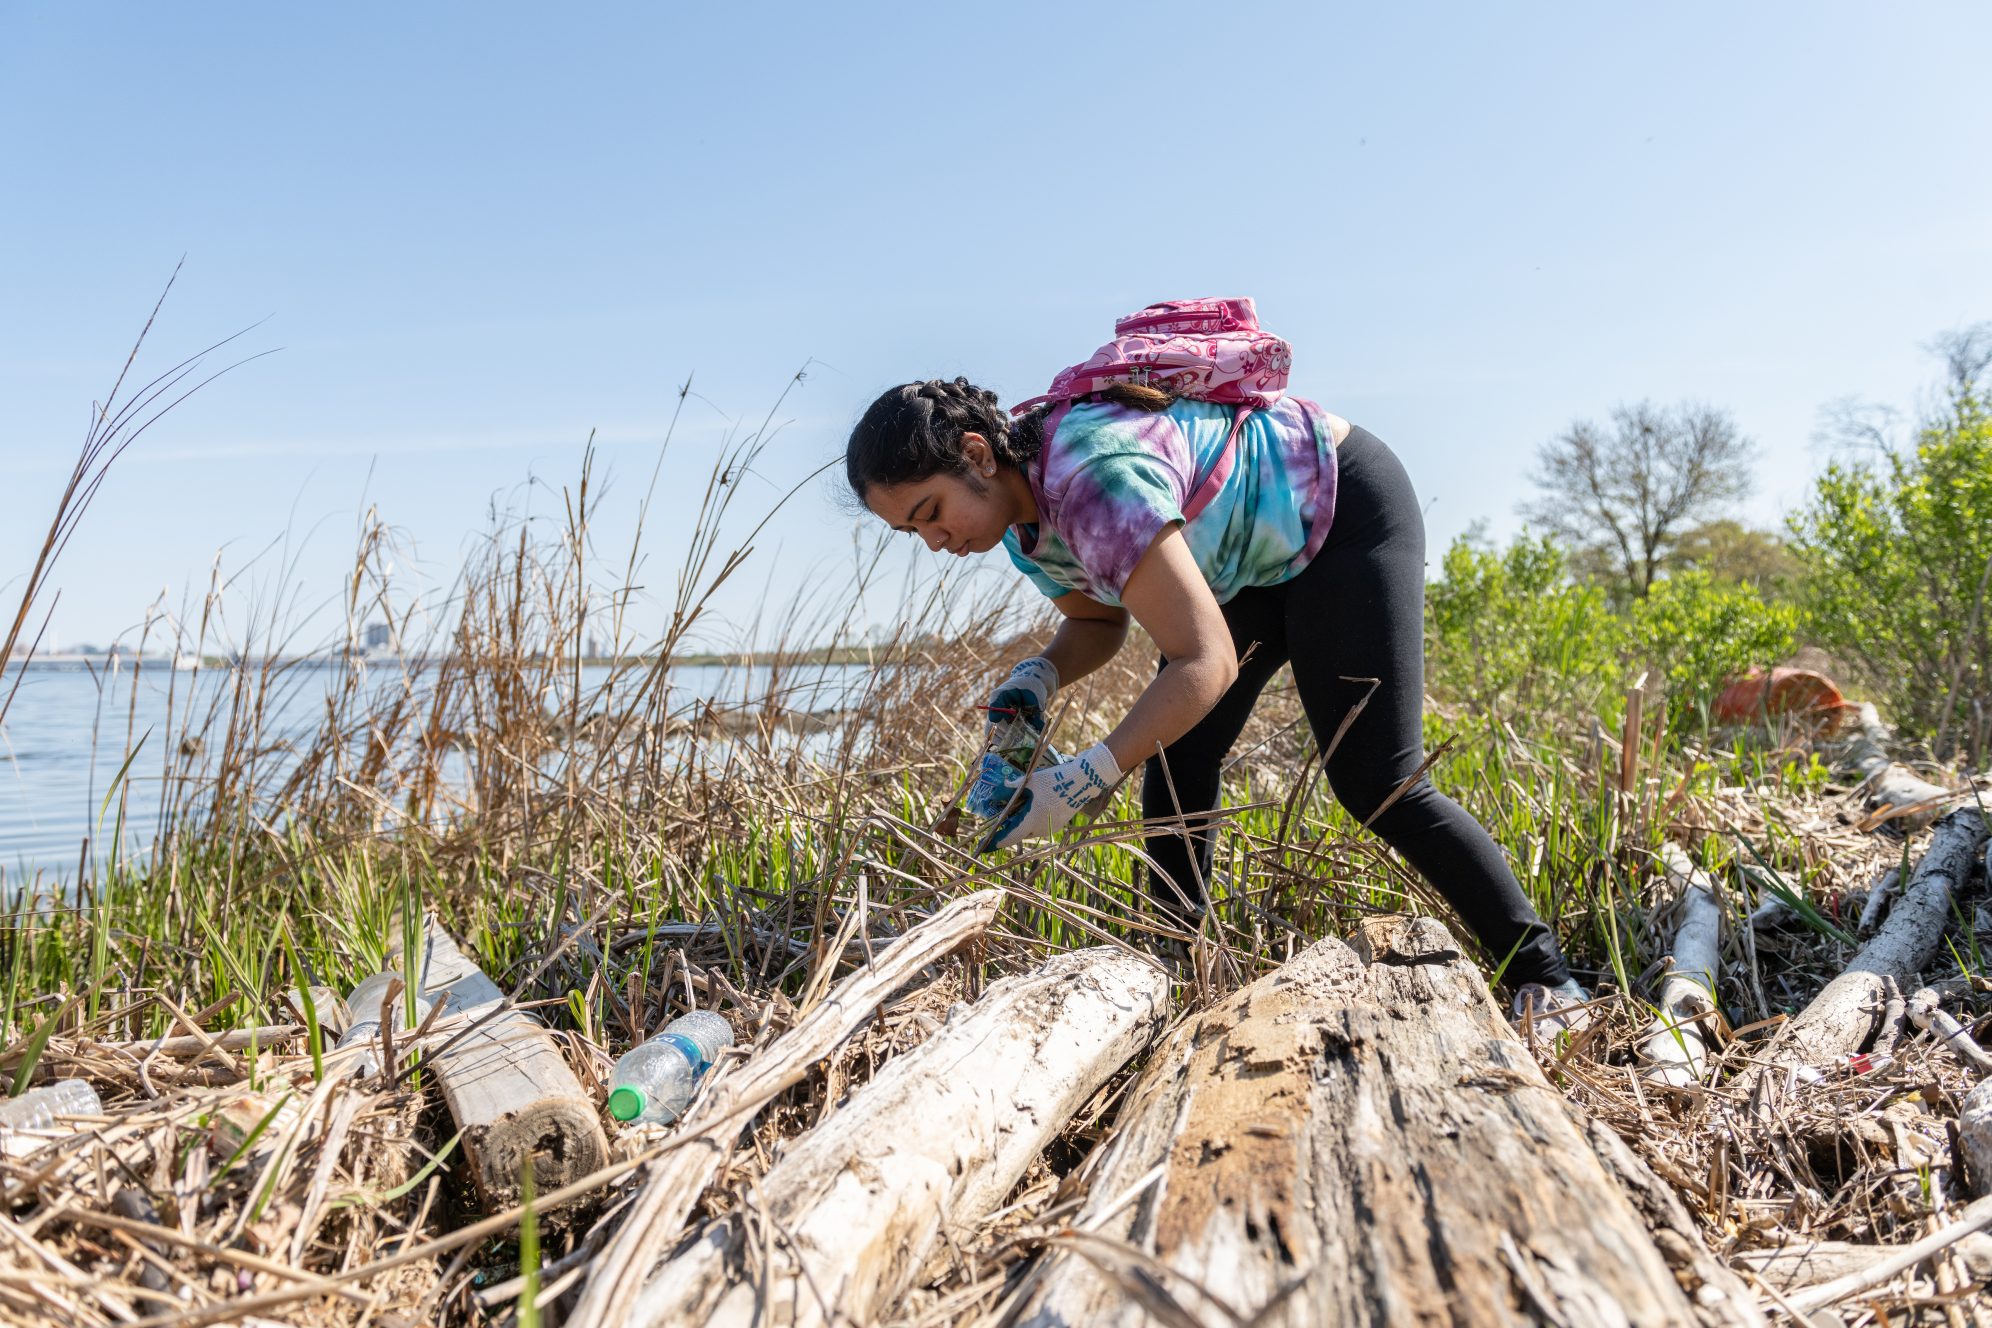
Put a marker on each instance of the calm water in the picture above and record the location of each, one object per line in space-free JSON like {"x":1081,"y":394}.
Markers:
{"x":65,"y":739}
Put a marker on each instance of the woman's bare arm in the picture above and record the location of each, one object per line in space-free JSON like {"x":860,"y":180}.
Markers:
{"x":1091,"y":634}
{"x":1168,"y":596}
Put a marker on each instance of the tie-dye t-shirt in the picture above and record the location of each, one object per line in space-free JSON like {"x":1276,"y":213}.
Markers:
{"x":1111,"y":477}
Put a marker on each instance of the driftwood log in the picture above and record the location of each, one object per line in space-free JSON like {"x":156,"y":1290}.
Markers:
{"x":1975,"y":1219}
{"x":504,"y":1079}
{"x":1807,"y":1263}
{"x":1721,"y":1299}
{"x":1889,"y":784}
{"x":704,"y":1140}
{"x":1926,"y":1011}
{"x":1675,"y":1045}
{"x":918,"y":1157}
{"x":1974,"y":1139}
{"x":1357,"y":1137}
{"x":1845,"y":1015}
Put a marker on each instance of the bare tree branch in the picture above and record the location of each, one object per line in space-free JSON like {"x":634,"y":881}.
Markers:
{"x":1632,"y":492}
{"x":1967,"y":354}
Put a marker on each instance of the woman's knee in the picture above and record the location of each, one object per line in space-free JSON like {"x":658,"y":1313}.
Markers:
{"x":1366,"y":793}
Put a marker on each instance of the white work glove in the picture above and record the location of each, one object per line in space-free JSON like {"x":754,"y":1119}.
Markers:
{"x":1026,"y":695}
{"x":1053,"y":796}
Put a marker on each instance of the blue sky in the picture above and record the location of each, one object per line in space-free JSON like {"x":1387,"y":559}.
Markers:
{"x":477,"y":232}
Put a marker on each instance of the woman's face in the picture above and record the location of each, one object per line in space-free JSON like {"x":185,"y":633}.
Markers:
{"x":960,"y":514}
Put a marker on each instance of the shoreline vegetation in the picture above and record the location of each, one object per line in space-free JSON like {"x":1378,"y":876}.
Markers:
{"x":606,"y":854}
{"x":831,"y":656}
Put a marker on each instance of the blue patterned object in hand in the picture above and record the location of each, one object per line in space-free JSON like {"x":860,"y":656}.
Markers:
{"x":1053,"y":796}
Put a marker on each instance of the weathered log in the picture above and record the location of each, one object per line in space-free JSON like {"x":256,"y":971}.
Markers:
{"x":1807,"y":1263}
{"x":504,"y":1079}
{"x":1975,"y":1219}
{"x":1974,"y":1139}
{"x":1926,"y":1011}
{"x":704,"y":1140}
{"x":187,"y":1045}
{"x":1877,"y":899}
{"x":1721,"y":1299}
{"x":1351,"y":1142}
{"x":1890,"y":784}
{"x":1676,"y":1044}
{"x":1842,"y":1017}
{"x":918,"y":1156}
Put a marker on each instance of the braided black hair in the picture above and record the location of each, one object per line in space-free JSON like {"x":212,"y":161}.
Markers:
{"x":913,"y":432}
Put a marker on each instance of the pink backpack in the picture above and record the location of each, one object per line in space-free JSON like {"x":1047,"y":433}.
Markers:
{"x":1205,"y":350}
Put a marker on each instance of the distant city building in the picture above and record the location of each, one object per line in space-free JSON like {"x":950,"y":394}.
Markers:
{"x":378,"y":636}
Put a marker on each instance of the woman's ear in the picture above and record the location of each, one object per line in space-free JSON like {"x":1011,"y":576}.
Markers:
{"x":978,"y":454}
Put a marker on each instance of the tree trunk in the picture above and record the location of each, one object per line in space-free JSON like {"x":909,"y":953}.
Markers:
{"x":921,"y":1155}
{"x":1354,"y":1142}
{"x":1844,"y":1016}
{"x":705,"y":1138}
{"x":1676,"y":1043}
{"x":505,"y":1081}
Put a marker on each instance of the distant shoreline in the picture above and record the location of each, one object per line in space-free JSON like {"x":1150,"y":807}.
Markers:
{"x":834,"y":656}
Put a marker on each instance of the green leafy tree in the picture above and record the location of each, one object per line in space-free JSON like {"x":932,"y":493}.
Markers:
{"x":1896,"y":553}
{"x":1728,"y":550}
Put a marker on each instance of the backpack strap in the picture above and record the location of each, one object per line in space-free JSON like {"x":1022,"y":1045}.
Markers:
{"x":1213,"y":482}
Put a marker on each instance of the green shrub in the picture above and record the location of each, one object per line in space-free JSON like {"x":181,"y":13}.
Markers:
{"x":1510,"y":634}
{"x":1897,"y":565}
{"x":1694,"y":631}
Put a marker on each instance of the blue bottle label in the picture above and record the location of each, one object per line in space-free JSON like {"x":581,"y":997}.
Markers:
{"x":693,"y":1055}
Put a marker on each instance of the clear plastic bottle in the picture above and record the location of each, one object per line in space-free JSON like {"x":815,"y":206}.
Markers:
{"x":38,"y":1109}
{"x":364,"y":1005}
{"x":654,"y":1082}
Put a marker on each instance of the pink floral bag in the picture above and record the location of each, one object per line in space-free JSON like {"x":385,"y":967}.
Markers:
{"x":1205,"y":350}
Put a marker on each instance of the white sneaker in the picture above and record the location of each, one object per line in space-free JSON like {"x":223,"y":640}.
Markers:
{"x":1552,"y":1010}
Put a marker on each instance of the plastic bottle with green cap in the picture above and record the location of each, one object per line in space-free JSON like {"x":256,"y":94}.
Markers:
{"x":654,"y":1082}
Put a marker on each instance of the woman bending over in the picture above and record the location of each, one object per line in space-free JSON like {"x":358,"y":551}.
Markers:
{"x":1300,"y":542}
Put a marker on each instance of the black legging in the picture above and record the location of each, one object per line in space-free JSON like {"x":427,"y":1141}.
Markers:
{"x":1355,"y":612}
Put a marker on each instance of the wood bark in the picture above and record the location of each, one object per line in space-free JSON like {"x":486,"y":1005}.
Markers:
{"x":1925,"y":1010}
{"x":705,"y":1138}
{"x":1975,"y":1219}
{"x":504,"y":1080}
{"x":186,"y":1045}
{"x":1889,"y":783}
{"x":1974,"y":1139}
{"x":1721,"y":1299}
{"x":1676,"y":1044}
{"x":1877,"y":900}
{"x":1355,"y":1138}
{"x":1844,"y":1016}
{"x":920,"y":1155}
